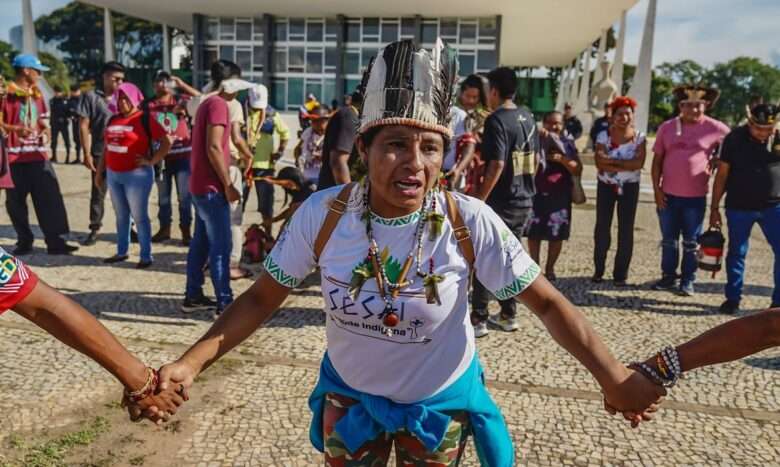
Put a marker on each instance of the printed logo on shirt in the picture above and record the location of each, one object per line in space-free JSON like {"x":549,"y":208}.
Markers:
{"x":8,"y":267}
{"x":511,"y":246}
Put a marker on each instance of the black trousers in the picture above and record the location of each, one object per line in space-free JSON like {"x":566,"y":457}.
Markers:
{"x":56,"y":130}
{"x":38,"y":180}
{"x":97,"y":202}
{"x":517,"y":220}
{"x":74,"y":127}
{"x":607,"y":198}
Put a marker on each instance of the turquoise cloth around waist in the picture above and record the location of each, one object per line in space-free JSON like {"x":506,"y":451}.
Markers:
{"x":427,"y":420}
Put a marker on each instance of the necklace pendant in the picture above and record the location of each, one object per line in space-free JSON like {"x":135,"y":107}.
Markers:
{"x":391,"y":320}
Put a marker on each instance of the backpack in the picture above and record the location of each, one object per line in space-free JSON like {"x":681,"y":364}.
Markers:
{"x":257,"y":244}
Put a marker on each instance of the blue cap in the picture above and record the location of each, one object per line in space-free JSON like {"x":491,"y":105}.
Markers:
{"x":28,"y":61}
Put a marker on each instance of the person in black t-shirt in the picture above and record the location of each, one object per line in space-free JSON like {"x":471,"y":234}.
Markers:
{"x":338,"y":156}
{"x":58,"y":106}
{"x":74,"y":101}
{"x":509,"y":148}
{"x":572,"y":124}
{"x":600,"y":124}
{"x":749,"y":171}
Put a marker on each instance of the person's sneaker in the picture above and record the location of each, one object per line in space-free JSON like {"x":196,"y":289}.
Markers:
{"x":65,"y":249}
{"x":481,"y":329}
{"x":90,"y":239}
{"x":686,"y":289}
{"x":620,"y":283}
{"x":22,"y":250}
{"x":729,"y":307}
{"x":202,"y":303}
{"x":666,"y":283}
{"x":216,"y":313}
{"x":143,"y":264}
{"x":162,"y":235}
{"x":115,"y":259}
{"x":505,"y":324}
{"x":596,"y":279}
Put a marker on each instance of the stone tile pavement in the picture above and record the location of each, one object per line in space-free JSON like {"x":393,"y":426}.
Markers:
{"x":255,"y":410}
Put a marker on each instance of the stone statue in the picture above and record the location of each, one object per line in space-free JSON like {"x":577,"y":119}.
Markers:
{"x":604,"y":91}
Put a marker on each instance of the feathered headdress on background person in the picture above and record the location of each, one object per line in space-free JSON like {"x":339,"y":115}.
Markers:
{"x":407,"y":85}
{"x":696,"y":93}
{"x":764,"y":115}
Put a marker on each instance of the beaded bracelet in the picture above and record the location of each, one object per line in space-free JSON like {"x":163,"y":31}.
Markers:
{"x":152,"y":379}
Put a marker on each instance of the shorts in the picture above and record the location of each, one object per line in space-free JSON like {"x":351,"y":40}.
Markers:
{"x":16,"y":281}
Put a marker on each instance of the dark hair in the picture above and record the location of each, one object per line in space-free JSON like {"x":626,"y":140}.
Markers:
{"x":111,"y":67}
{"x":222,"y":70}
{"x":162,"y":75}
{"x":478,"y":82}
{"x":368,"y":137}
{"x":504,"y":80}
{"x":550,"y":114}
{"x":57,"y":88}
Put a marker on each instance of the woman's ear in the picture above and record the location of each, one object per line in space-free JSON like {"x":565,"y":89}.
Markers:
{"x":362,"y":150}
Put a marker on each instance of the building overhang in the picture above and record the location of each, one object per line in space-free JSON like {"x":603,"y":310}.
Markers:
{"x":533,"y":32}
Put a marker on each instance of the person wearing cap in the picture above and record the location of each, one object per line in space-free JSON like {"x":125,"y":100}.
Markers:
{"x":94,"y":113}
{"x":265,"y":122}
{"x":167,"y":109}
{"x":684,"y":153}
{"x":308,"y":153}
{"x":25,"y":122}
{"x":749,"y":173}
{"x":401,"y":365}
{"x":214,"y":193}
{"x":303,"y":111}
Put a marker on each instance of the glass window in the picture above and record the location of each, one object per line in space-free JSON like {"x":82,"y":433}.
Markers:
{"x":315,"y":87}
{"x":465,"y":64}
{"x":259,"y":26}
{"x":315,"y":32}
{"x":314,"y":61}
{"x":487,"y":28}
{"x":294,"y":92}
{"x":297,"y":29}
{"x":295,"y":59}
{"x":212,"y":30}
{"x":468,"y":33}
{"x":244,"y":59}
{"x":430,"y":31}
{"x":352,"y":62}
{"x":280,"y":31}
{"x":353,"y":31}
{"x":279,"y":96}
{"x":209,"y":56}
{"x":226,"y":53}
{"x":350,"y":85}
{"x":486,"y":60}
{"x":280,"y":59}
{"x":389,"y":32}
{"x":227,"y":28}
{"x":243,"y":31}
{"x":407,"y":28}
{"x":370,"y":29}
{"x":258,"y":58}
{"x":367,"y":55}
{"x":448,"y":28}
{"x":328,"y":91}
{"x":331,"y":29}
{"x":331,"y":58}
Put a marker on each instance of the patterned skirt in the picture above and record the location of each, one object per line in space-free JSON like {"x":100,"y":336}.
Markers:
{"x":552,"y":217}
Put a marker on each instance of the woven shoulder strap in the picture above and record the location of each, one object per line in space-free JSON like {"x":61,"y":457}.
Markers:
{"x":337,"y":209}
{"x":459,"y":229}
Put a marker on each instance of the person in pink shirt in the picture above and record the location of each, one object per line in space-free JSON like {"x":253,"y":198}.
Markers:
{"x":685,"y":149}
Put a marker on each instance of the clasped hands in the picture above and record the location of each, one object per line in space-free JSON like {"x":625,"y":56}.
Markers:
{"x":634,"y":396}
{"x":171,"y":392}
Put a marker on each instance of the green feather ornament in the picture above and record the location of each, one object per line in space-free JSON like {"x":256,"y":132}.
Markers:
{"x":436,"y":221}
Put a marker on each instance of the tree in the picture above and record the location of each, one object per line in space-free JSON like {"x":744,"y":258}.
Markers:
{"x":58,"y":73}
{"x":7,"y":54}
{"x":738,"y":81}
{"x":661,"y":102}
{"x":683,"y":72}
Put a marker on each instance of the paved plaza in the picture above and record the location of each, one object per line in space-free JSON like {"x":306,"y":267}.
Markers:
{"x":59,"y":408}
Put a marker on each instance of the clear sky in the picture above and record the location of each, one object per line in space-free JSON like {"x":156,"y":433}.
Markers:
{"x":707,"y":31}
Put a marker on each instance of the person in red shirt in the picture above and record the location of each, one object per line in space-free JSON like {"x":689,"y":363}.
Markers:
{"x":24,"y":121}
{"x":168,"y":109}
{"x":128,"y":164}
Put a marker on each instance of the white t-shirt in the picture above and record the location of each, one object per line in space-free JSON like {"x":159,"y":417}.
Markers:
{"x":311,"y":154}
{"x":625,"y":151}
{"x":432,"y":345}
{"x":458,"y":126}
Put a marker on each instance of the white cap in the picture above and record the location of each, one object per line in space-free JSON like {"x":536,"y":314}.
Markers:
{"x":258,"y":97}
{"x":234,"y":85}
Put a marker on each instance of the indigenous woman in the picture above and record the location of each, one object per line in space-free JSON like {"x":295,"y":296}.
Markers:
{"x":128,"y":164}
{"x":395,"y":255}
{"x":553,"y":198}
{"x":469,"y":170}
{"x":620,"y":155}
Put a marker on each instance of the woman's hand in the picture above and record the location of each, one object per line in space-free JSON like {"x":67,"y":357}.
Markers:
{"x":157,"y":407}
{"x":715,"y":219}
{"x":635,"y":396}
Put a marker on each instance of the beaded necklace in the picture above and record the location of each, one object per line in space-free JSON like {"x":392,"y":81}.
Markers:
{"x":374,"y":265}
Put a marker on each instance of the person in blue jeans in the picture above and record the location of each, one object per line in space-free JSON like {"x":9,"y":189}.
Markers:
{"x":685,"y":148}
{"x":176,"y":171}
{"x":749,"y":172}
{"x":128,"y":163}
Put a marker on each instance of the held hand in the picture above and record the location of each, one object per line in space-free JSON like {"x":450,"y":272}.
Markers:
{"x":89,"y":162}
{"x":660,"y":199}
{"x":24,"y":131}
{"x":715,"y":219}
{"x":635,"y":396}
{"x":157,"y":407}
{"x":276,"y":156}
{"x":177,"y":376}
{"x":232,"y":194}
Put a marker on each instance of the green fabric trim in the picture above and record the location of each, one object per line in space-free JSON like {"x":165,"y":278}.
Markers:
{"x":396,"y":221}
{"x":279,"y":275}
{"x":520,"y":283}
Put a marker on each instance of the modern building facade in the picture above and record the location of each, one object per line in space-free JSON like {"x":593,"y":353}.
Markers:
{"x":326,"y":56}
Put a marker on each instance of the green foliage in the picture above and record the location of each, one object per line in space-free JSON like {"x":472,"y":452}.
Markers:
{"x":7,"y":54}
{"x":52,"y":453}
{"x":58,"y":73}
{"x":739,"y":80}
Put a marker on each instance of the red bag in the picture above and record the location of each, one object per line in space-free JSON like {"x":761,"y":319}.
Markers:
{"x":257,"y":244}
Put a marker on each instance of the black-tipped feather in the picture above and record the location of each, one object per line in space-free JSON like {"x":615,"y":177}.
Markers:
{"x":399,"y":88}
{"x":442,"y":91}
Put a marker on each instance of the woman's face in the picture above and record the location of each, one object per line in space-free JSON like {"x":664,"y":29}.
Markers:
{"x":469,"y":98}
{"x":761,"y":133}
{"x":124,"y":104}
{"x":403,"y":164}
{"x":623,"y":117}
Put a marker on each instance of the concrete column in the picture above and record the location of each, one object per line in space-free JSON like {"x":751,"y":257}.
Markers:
{"x":198,"y":37}
{"x":563,"y":87}
{"x":617,"y":67}
{"x":418,"y":29}
{"x":640,"y":89}
{"x":597,"y":75}
{"x":574,"y":91}
{"x":583,"y":98}
{"x":109,"y":52}
{"x":268,"y":50}
{"x":166,"y":48}
{"x":29,"y":39}
{"x":498,"y":40}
